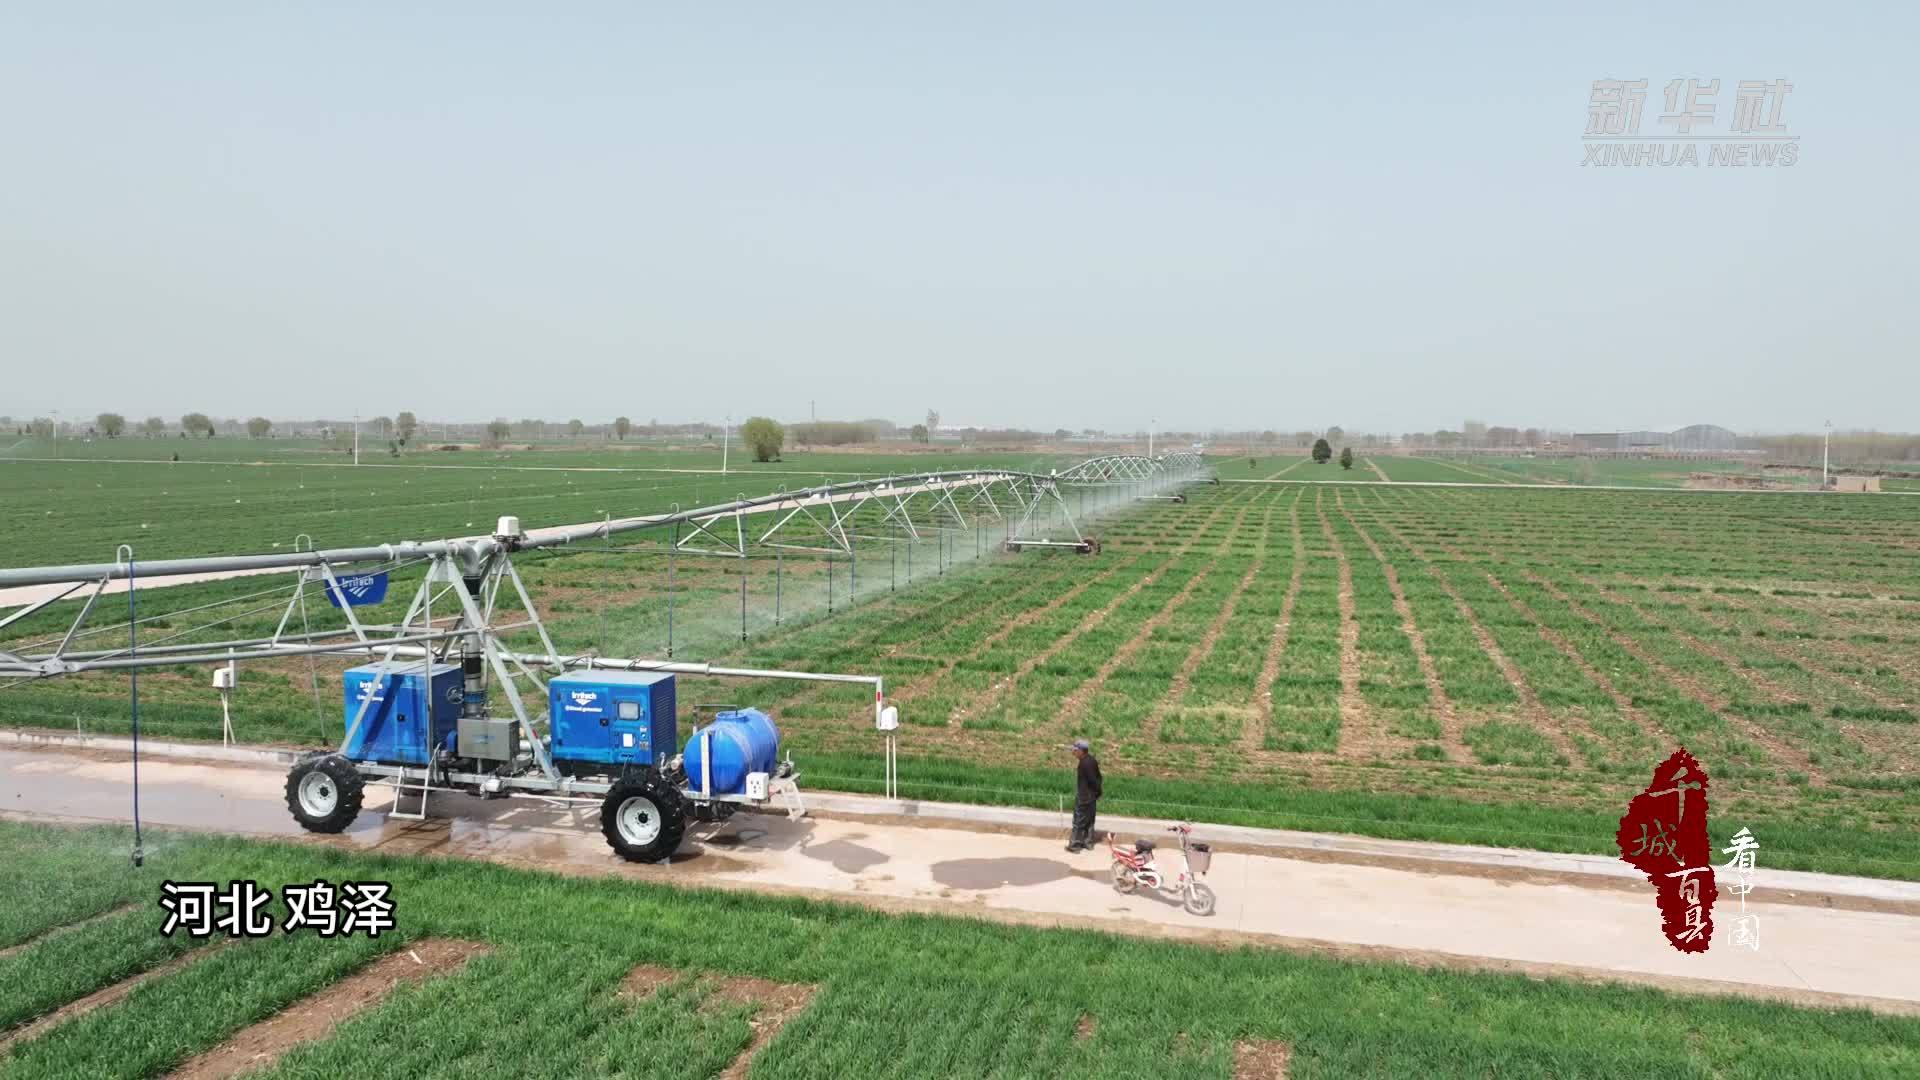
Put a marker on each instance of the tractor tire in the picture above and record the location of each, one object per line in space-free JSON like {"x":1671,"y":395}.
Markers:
{"x":325,"y":791}
{"x":643,"y":818}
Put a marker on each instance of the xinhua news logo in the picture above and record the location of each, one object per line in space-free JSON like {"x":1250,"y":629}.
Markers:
{"x":1687,"y":132}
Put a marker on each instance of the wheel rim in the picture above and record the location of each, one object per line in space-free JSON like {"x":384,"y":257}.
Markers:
{"x":319,"y":795}
{"x":639,"y":820}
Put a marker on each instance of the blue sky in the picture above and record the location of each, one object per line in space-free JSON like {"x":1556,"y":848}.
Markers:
{"x":1071,"y":215}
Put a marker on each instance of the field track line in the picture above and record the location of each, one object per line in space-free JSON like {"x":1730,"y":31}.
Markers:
{"x":1599,"y":678}
{"x":1377,"y":471}
{"x":314,"y":1017}
{"x":1542,"y":720}
{"x":773,"y":1004}
{"x":1203,"y":649}
{"x":1254,"y":736}
{"x":1091,"y":620}
{"x":1360,"y":728}
{"x":58,"y":930}
{"x":1819,"y":655}
{"x":1566,"y":648}
{"x":905,"y":614}
{"x":1076,"y":701}
{"x":1727,"y":660}
{"x":104,"y":997}
{"x":1882,"y":746}
{"x":920,"y":686}
{"x":1491,"y":478}
{"x":1443,"y":709}
{"x":1288,"y":469}
{"x":1787,"y":755}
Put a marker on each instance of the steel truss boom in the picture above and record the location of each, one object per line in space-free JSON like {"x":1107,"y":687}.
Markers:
{"x":908,"y":505}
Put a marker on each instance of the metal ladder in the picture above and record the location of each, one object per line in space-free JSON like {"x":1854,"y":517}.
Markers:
{"x":419,"y":813}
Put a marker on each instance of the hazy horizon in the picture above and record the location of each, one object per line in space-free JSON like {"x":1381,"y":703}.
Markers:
{"x":1245,"y":218}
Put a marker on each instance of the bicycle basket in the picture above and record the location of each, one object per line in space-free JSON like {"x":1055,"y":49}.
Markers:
{"x":1199,"y":856}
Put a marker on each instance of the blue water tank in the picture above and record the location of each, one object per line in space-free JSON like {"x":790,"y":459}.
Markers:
{"x":742,"y":741}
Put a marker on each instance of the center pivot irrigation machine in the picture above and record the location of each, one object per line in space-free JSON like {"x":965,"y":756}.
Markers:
{"x":443,"y":705}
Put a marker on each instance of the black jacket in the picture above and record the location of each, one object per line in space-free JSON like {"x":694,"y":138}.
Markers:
{"x":1089,"y":780}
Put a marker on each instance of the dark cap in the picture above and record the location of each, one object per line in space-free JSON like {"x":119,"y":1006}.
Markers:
{"x":1079,"y":744}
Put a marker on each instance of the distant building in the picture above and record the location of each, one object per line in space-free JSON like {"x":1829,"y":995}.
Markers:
{"x":1704,"y":437}
{"x":1696,"y":437}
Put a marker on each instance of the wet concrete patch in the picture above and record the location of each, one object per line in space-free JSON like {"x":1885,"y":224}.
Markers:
{"x":315,"y":1017}
{"x":704,"y":861}
{"x":737,"y":837}
{"x":988,"y":874}
{"x":845,"y":855}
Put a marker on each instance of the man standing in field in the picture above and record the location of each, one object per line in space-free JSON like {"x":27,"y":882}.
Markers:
{"x":1086,"y":794}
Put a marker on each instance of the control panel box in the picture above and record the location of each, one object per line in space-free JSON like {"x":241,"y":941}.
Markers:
{"x":613,"y":718}
{"x":487,"y":738}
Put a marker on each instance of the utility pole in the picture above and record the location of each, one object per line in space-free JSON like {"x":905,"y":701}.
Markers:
{"x":1826,"y":449}
{"x":1151,"y":425}
{"x":356,"y":438}
{"x":726,"y":439}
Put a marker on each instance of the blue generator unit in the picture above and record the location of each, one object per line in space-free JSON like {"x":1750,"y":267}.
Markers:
{"x":412,"y":710}
{"x":613,"y":718}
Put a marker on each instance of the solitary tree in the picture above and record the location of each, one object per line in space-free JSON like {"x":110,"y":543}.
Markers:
{"x":933,"y":420}
{"x":621,"y":425}
{"x":1346,"y":457}
{"x":382,"y":425}
{"x":575,"y":427}
{"x":258,"y":427}
{"x":111,"y":424}
{"x":40,"y":427}
{"x":155,"y":427}
{"x":1336,"y":432}
{"x":194,"y":423}
{"x":765,"y":436}
{"x":919,"y":433}
{"x":497,"y":430}
{"x":1321,"y":452}
{"x":406,"y":423}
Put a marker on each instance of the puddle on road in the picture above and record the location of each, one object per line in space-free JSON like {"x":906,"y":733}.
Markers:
{"x":517,"y":831}
{"x":845,"y":855}
{"x":988,"y":874}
